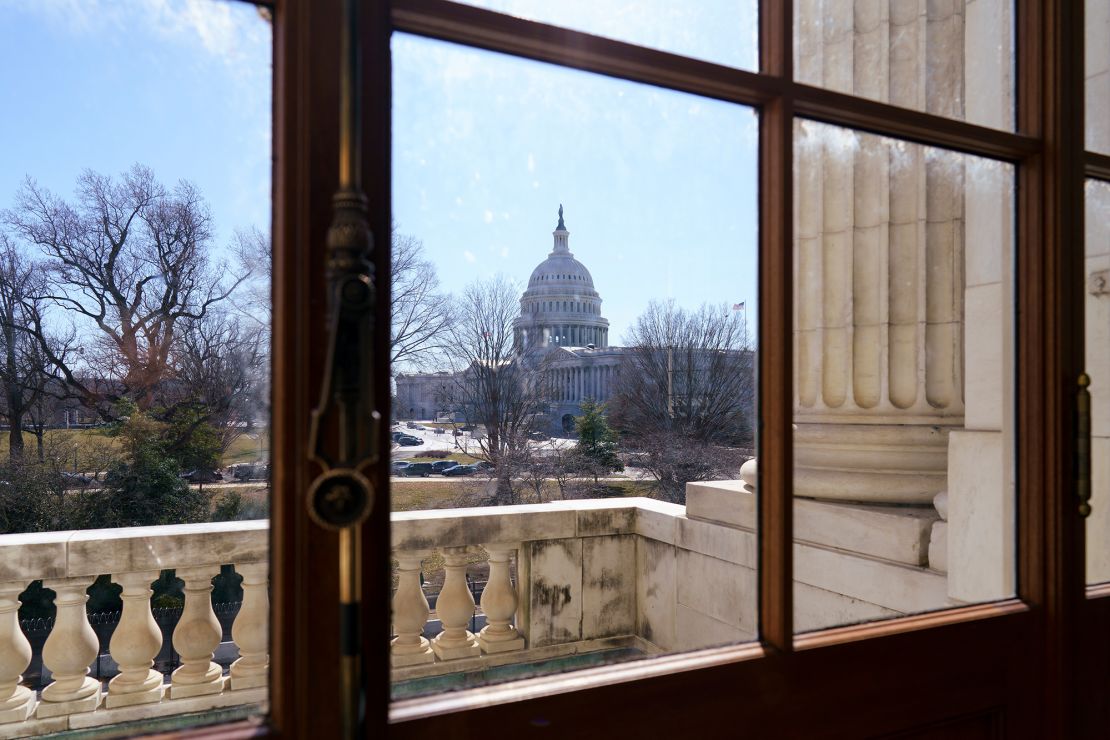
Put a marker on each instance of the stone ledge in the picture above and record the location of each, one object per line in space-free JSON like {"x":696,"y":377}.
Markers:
{"x":167,"y":708}
{"x":128,"y":549}
{"x":896,"y":533}
{"x":440,"y":668}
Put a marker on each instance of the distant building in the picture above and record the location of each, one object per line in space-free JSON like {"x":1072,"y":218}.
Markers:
{"x":560,"y":316}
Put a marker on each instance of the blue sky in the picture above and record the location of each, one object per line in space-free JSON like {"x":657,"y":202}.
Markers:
{"x":659,"y":187}
{"x":182,"y":86}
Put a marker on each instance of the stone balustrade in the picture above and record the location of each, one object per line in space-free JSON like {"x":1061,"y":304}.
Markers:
{"x":589,"y":575}
{"x":643,"y":574}
{"x":69,"y":562}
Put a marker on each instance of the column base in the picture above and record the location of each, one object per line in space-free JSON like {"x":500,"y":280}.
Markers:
{"x":130,"y":699}
{"x":871,"y":463}
{"x":73,"y":706}
{"x":185,"y":690}
{"x":500,"y":646}
{"x":467,"y":649}
{"x":417,"y":657}
{"x":239,"y":683}
{"x":18,"y":708}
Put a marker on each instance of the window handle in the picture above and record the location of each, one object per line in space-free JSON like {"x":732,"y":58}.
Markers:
{"x":345,"y":431}
{"x":1083,"y":446}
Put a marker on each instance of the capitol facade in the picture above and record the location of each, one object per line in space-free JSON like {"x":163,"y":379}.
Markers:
{"x":560,"y":319}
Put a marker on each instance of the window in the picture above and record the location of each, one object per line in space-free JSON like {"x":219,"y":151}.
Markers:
{"x":134,"y":522}
{"x":942,"y":673}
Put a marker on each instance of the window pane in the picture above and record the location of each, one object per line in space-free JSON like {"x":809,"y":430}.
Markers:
{"x":721,"y":31}
{"x":950,"y":58}
{"x":581,"y":254}
{"x":134,"y":318}
{"x":1097,"y":49}
{"x":903,"y":478}
{"x":1097,"y":290}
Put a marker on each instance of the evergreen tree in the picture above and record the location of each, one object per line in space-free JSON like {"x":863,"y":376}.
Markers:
{"x":597,"y":442}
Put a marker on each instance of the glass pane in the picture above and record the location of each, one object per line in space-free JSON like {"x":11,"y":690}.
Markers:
{"x":903,"y":442}
{"x":721,"y":31}
{"x":134,"y":322}
{"x":581,"y":254}
{"x":1097,"y":288}
{"x":951,"y":58}
{"x":1097,"y":20}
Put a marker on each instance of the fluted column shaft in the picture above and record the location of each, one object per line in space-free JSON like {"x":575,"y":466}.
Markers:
{"x":879,"y":258}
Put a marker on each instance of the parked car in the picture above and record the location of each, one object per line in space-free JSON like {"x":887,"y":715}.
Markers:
{"x":460,"y":470}
{"x":440,"y":465}
{"x":467,"y":427}
{"x":76,"y":480}
{"x":201,"y":475}
{"x":409,"y":441}
{"x":484,"y":465}
{"x":418,"y":470}
{"x":248,"y":471}
{"x":538,"y":436}
{"x":397,"y":435}
{"x":398,"y":466}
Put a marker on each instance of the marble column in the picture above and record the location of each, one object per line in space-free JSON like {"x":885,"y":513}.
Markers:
{"x":879,"y":261}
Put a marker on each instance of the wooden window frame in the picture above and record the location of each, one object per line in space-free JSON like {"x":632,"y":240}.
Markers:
{"x":797,"y":684}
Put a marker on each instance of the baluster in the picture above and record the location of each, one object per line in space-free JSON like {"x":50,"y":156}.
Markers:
{"x":134,"y":645}
{"x":251,"y":628}
{"x":499,"y":602}
{"x":410,"y":613}
{"x":196,"y":637}
{"x":68,"y":651}
{"x":455,"y":607}
{"x":17,"y":703}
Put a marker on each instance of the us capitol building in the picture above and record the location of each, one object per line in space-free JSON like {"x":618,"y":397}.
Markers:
{"x":560,"y":313}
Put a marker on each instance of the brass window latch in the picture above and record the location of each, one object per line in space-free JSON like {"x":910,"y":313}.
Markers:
{"x":346,"y":425}
{"x":1083,"y":446}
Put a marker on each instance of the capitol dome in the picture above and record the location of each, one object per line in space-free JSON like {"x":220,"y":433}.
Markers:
{"x":560,"y":306}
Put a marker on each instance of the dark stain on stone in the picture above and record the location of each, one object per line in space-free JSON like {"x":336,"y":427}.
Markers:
{"x":553,"y":597}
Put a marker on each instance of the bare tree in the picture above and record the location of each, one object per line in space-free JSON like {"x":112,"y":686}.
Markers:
{"x":494,"y":386}
{"x":24,"y":369}
{"x":685,"y":393}
{"x":131,"y":259}
{"x":421,"y":312}
{"x":220,"y":372}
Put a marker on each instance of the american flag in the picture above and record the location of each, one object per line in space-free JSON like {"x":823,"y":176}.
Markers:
{"x":741,"y":306}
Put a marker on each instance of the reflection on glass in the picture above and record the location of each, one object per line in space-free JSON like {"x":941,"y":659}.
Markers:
{"x":571,"y":337}
{"x":903,"y":378}
{"x":1097,"y":322}
{"x":1097,"y":21}
{"x":721,"y":31}
{"x":952,"y":59}
{"x":134,"y":321}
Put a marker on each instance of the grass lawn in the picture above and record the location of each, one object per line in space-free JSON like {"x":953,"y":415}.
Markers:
{"x":254,"y":447}
{"x":90,"y":445}
{"x":94,"y":445}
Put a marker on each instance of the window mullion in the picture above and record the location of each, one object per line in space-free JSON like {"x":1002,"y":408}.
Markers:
{"x":776,"y":322}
